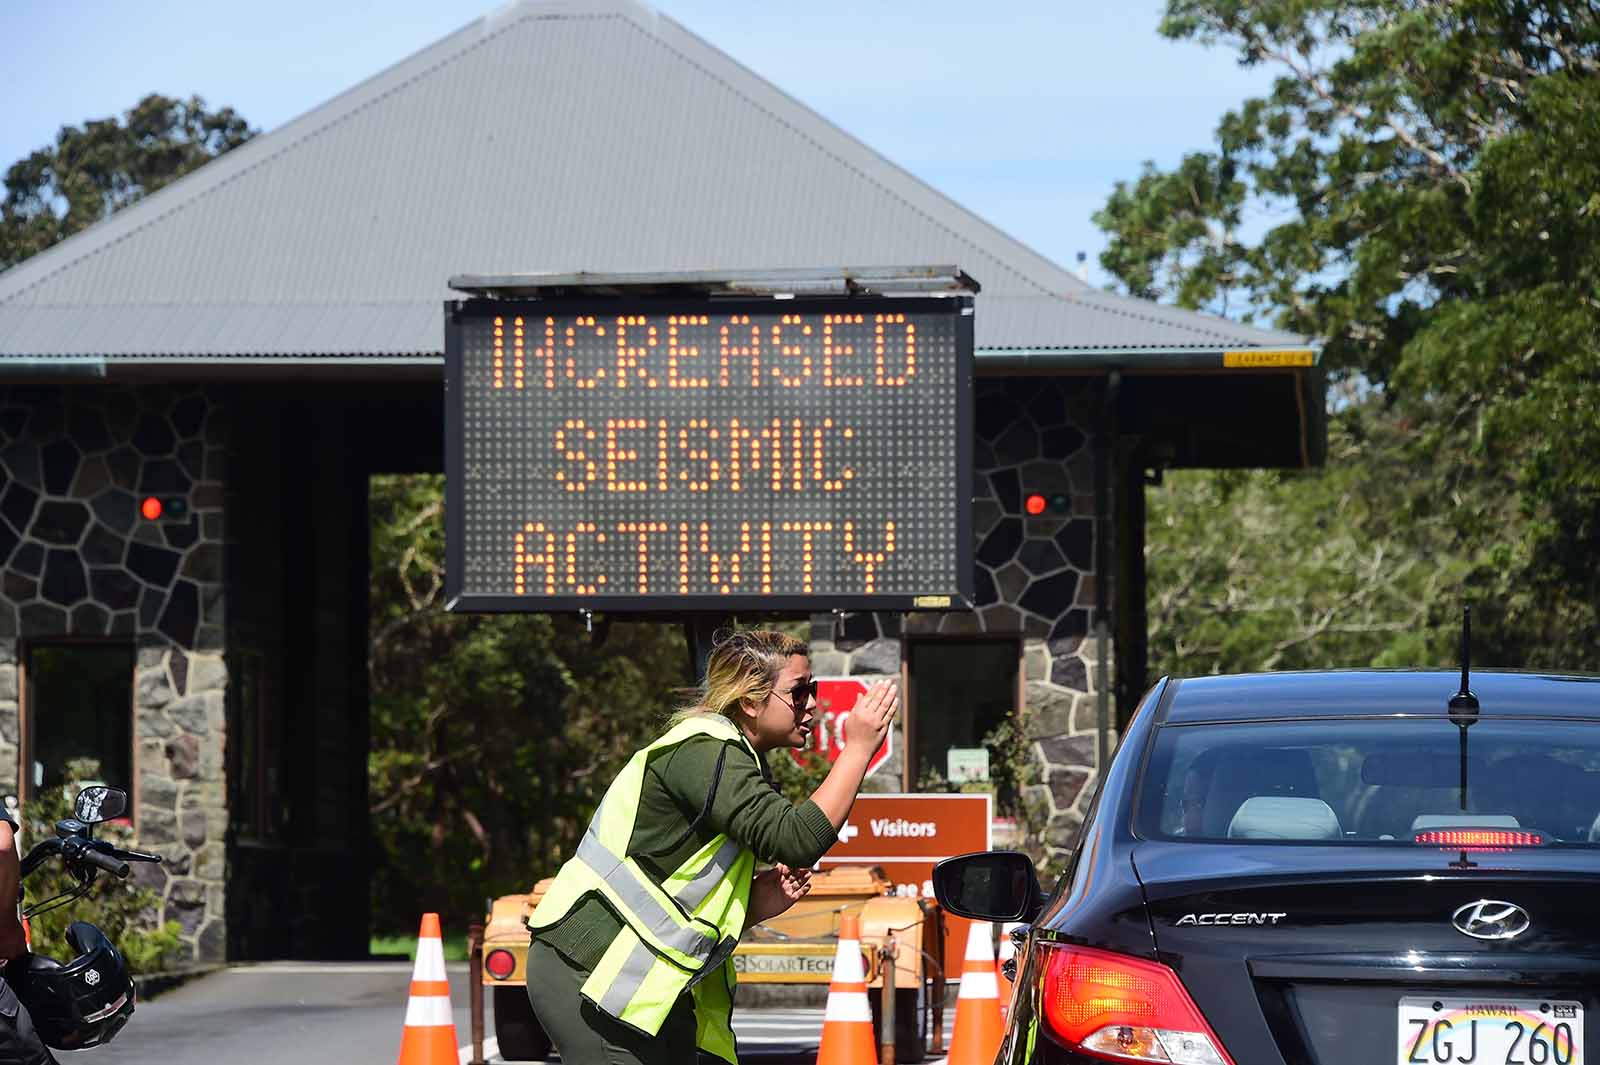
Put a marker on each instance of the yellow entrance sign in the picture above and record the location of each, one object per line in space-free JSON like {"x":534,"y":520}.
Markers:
{"x":1250,"y":360}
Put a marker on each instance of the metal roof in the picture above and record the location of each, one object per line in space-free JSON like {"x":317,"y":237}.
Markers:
{"x":849,"y":281}
{"x":551,"y":135}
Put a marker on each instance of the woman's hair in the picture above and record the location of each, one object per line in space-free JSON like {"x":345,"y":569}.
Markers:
{"x":742,"y":667}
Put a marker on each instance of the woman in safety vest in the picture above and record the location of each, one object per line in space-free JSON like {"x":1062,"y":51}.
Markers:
{"x":631,"y":958}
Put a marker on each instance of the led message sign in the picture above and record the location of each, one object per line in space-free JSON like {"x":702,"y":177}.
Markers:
{"x":700,"y":454}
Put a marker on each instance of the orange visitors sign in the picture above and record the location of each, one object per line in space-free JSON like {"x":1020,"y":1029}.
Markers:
{"x":905,"y":835}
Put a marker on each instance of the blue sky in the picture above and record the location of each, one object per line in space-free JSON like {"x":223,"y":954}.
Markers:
{"x":1026,"y":112}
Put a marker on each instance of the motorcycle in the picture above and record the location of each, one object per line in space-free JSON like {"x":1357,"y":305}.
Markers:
{"x":84,"y":1002}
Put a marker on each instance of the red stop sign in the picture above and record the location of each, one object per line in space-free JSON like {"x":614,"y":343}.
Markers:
{"x":836,"y":696}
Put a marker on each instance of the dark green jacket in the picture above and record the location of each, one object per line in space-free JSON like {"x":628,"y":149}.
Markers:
{"x":685,"y":802}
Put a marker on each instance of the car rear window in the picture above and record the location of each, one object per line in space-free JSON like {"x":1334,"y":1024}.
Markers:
{"x":1370,"y":781}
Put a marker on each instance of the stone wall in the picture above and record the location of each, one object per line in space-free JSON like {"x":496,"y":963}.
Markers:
{"x":77,"y":560}
{"x":1034,"y":579}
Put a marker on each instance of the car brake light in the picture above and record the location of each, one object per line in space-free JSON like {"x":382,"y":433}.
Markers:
{"x":500,"y":963}
{"x":1479,"y":839}
{"x":1124,"y":1009}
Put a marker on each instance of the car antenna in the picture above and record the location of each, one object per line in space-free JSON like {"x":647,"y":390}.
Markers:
{"x":1463,"y":705}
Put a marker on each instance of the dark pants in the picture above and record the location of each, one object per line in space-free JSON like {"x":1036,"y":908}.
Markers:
{"x":584,"y":1035}
{"x":19,"y":1043}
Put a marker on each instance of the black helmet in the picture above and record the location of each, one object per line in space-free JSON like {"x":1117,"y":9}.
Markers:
{"x":82,"y":1003}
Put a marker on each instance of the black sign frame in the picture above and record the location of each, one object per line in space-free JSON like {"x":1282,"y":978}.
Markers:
{"x":458,"y":601}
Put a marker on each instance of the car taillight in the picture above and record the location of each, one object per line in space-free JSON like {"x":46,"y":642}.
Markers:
{"x":1125,"y":1009}
{"x":500,"y":963}
{"x":1479,"y":839}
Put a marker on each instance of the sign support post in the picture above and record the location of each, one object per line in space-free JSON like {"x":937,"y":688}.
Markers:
{"x":886,"y":966}
{"x":699,"y":633}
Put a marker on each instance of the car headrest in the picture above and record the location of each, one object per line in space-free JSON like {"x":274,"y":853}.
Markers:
{"x":1240,"y":773}
{"x":1284,"y":817}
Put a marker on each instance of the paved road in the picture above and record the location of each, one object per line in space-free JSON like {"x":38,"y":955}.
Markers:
{"x":350,"y":1014}
{"x":278,"y":1013}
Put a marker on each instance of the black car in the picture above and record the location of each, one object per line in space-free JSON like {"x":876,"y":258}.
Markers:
{"x":1340,"y":868}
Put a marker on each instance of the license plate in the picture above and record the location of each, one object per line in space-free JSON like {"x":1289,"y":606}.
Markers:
{"x":1490,"y":1031}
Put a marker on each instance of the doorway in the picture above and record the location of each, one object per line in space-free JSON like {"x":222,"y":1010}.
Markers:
{"x":963,"y":697}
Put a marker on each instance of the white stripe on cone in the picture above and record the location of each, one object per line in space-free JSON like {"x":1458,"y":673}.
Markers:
{"x":430,"y":959}
{"x":979,"y":985}
{"x":980,"y":982}
{"x":429,"y":1011}
{"x":978,"y":948}
{"x":847,"y":963}
{"x":847,"y":1006}
{"x":848,"y":968}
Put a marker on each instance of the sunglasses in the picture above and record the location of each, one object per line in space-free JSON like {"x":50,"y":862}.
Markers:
{"x":801,"y":693}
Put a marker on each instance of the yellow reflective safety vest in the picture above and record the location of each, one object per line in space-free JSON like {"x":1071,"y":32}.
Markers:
{"x":679,"y":933}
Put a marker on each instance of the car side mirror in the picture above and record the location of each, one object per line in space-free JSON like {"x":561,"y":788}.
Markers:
{"x":989,"y":886}
{"x":99,"y":802}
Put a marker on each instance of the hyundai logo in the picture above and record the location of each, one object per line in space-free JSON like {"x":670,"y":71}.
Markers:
{"x":1491,"y":919}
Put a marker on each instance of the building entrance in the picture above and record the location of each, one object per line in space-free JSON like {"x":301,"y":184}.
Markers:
{"x":961,"y":693}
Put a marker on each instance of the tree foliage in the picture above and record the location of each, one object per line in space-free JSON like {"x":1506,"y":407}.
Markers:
{"x":1263,"y":570}
{"x":128,"y":913}
{"x":1421,"y":191}
{"x":102,"y":166}
{"x":493,"y":735}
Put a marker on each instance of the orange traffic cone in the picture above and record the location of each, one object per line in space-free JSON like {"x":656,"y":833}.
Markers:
{"x":976,"y":1037}
{"x":1007,"y":952}
{"x":429,"y":1037}
{"x":847,"y":1022}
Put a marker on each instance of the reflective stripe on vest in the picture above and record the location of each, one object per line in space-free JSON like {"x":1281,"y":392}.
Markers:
{"x":637,"y":965}
{"x":698,"y":889}
{"x":628,"y":881}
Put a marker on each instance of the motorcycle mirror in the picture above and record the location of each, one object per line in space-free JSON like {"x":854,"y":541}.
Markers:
{"x":99,"y":802}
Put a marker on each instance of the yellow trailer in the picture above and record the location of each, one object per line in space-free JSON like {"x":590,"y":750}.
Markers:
{"x":796,"y":949}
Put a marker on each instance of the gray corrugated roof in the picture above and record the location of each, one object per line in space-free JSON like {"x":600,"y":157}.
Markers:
{"x":547,"y":136}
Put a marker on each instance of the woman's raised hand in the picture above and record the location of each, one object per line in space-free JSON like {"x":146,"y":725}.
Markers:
{"x":869,"y":720}
{"x":865,"y":726}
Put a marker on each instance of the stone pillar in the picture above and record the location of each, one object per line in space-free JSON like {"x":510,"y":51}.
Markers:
{"x":80,"y":561}
{"x":1034,"y":578}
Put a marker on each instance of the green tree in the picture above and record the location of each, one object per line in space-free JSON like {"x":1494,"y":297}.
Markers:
{"x":1421,"y":191}
{"x":1262,"y":570}
{"x":493,"y":735}
{"x":102,"y":166}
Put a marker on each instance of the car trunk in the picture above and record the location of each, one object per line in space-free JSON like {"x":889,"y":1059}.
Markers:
{"x":1360,"y":964}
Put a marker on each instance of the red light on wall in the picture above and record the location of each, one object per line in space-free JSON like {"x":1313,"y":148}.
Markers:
{"x":500,"y":963}
{"x":151,"y":508}
{"x":1035,"y":504}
